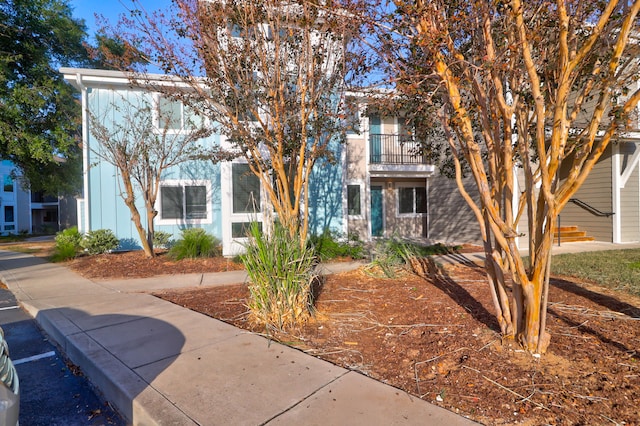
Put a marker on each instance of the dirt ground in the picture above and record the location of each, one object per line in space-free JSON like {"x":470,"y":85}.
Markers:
{"x":437,"y":339}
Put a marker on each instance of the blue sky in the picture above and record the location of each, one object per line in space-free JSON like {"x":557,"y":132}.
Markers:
{"x":86,"y":9}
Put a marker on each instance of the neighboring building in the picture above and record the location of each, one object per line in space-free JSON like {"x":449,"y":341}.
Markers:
{"x":607,"y":205}
{"x":23,"y":211}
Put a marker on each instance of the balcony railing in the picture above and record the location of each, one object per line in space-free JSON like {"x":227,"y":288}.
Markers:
{"x":395,"y":149}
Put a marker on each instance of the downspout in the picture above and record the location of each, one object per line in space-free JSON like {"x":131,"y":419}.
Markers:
{"x":85,"y":152}
{"x":343,"y":162}
{"x":428,"y":212}
{"x":367,"y":178}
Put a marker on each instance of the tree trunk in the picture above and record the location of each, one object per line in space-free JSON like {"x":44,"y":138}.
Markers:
{"x":130,"y":201}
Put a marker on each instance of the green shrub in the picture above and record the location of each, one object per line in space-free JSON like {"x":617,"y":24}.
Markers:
{"x":162,"y":239}
{"x":99,"y":241}
{"x":69,"y":236}
{"x":67,"y":244}
{"x":391,"y":254}
{"x":281,"y":277}
{"x":330,"y":245}
{"x":64,"y":251}
{"x":194,"y":243}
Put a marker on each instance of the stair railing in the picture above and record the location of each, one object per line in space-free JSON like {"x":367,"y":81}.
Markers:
{"x":594,"y":211}
{"x":590,"y":208}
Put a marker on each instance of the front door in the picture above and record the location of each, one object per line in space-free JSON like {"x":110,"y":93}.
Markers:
{"x":377,"y":222}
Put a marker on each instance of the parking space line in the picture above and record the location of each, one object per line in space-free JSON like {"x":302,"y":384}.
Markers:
{"x":34,"y":358}
{"x":6,"y":308}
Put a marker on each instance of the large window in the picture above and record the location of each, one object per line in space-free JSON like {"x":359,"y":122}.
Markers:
{"x":184,"y":202}
{"x":246,"y":189}
{"x":412,"y":200}
{"x":353,"y":200}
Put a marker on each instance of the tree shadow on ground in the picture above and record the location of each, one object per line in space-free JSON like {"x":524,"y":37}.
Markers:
{"x":427,"y":268}
{"x":604,"y":300}
{"x":589,"y":330}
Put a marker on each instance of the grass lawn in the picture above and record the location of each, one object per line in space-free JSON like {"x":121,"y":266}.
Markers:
{"x":616,"y":269}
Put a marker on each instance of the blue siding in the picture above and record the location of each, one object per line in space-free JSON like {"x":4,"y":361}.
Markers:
{"x":325,"y":194}
{"x":107,"y":208}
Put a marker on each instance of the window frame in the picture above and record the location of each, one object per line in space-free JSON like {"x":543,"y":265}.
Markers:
{"x":414,"y":212}
{"x":184,"y":183}
{"x":360,"y":187}
{"x":259,"y":192}
{"x":185,"y":110}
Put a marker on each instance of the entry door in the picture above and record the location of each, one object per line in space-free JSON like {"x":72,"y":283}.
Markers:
{"x":377,"y":222}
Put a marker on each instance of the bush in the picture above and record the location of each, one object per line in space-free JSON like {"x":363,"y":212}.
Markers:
{"x":391,"y":254}
{"x":67,"y":244}
{"x":64,"y":251}
{"x":330,"y":245}
{"x":161,"y":239}
{"x":281,"y":278}
{"x":194,"y":243}
{"x":99,"y":241}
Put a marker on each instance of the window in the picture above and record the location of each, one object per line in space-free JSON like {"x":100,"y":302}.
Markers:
{"x":352,"y":119}
{"x":169,"y":114}
{"x":412,"y":200}
{"x":184,"y":201}
{"x":240,"y":229}
{"x":8,"y":183}
{"x":9,"y":218}
{"x":353,"y":200}
{"x":246,"y":189}
{"x":175,"y":117}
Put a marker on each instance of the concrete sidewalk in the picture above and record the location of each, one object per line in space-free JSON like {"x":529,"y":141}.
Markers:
{"x":564,"y":248}
{"x":159,"y":363}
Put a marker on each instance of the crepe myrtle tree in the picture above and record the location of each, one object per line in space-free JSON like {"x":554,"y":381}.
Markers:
{"x":138,"y":137}
{"x":540,"y":88}
{"x":269,"y":75}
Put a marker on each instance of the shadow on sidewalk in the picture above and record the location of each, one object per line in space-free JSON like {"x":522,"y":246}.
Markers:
{"x":110,"y":348}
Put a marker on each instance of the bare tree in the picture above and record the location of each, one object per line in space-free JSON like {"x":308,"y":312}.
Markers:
{"x":539,"y":87}
{"x":142,"y":149}
{"x":268,"y":74}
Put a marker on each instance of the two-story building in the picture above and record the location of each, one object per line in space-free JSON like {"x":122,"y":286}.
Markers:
{"x":380,"y":187}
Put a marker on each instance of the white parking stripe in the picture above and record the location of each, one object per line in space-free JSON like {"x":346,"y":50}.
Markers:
{"x":34,"y":358}
{"x":6,"y":308}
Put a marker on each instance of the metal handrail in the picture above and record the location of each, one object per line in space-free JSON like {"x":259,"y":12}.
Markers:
{"x":395,"y":149}
{"x":590,"y":208}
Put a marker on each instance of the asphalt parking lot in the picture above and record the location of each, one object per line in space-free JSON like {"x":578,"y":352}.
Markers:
{"x":52,"y":392}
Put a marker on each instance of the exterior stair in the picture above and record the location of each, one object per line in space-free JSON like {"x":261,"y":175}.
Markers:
{"x":571,"y":234}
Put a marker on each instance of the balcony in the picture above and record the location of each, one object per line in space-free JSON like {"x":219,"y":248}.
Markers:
{"x":397,"y":155}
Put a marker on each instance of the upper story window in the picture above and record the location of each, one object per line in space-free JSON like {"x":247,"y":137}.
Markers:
{"x":7,"y":184}
{"x":173,"y":116}
{"x":169,"y":114}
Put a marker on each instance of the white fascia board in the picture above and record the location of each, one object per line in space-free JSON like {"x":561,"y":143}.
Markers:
{"x":80,"y":77}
